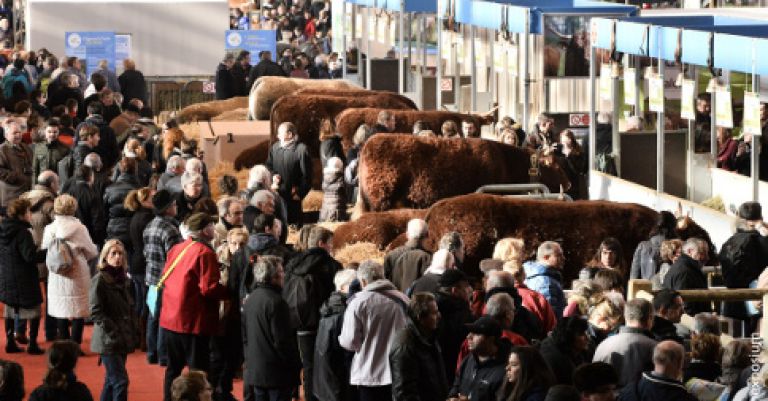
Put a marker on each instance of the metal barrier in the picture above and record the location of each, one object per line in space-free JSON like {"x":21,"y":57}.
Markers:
{"x":169,"y":94}
{"x":192,"y":92}
{"x":512,"y":188}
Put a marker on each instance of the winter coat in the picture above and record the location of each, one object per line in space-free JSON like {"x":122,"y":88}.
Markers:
{"x":539,"y":306}
{"x":78,"y":157}
{"x":334,"y":197}
{"x":686,"y":274}
{"x":169,"y":182}
{"x":561,"y":362}
{"x":294,"y":165}
{"x":192,"y":292}
{"x":225,"y":88}
{"x":239,"y":79}
{"x":647,"y":259}
{"x":547,"y":281}
{"x":133,"y":86}
{"x":107,"y":148}
{"x":480,"y":381}
{"x":41,"y":199}
{"x":139,"y":221}
{"x":403,"y":265}
{"x":19,"y":278}
{"x":271,"y":353}
{"x":418,"y":373}
{"x":113,"y":326}
{"x":652,"y":387}
{"x":331,"y":147}
{"x":76,"y":391}
{"x":372,"y":319}
{"x":322,"y":267}
{"x":663,"y":329}
{"x":630,"y":352}
{"x":752,"y":392}
{"x":15,"y":171}
{"x":241,"y":269}
{"x":452,"y":329}
{"x":331,"y":366}
{"x":46,"y":156}
{"x":121,"y":126}
{"x":119,"y":222}
{"x":262,"y":69}
{"x":68,"y":294}
{"x":90,"y":209}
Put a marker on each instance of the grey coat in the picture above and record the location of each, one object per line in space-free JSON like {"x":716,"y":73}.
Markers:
{"x":113,"y":327}
{"x":334,"y":197}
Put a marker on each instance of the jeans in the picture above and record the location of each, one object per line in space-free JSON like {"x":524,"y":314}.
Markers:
{"x":307,"y":352}
{"x":157,"y":350}
{"x":271,"y":394}
{"x":76,"y":334}
{"x":116,"y":380}
{"x":184,"y":350}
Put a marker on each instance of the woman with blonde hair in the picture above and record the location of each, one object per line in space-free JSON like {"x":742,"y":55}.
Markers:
{"x":113,"y":328}
{"x":68,"y":292}
{"x":509,"y":250}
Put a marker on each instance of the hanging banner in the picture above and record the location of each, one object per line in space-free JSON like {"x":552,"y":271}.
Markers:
{"x":254,"y":41}
{"x":605,"y":82}
{"x":752,"y":113}
{"x":656,"y":94}
{"x":512,"y":60}
{"x":499,"y":53}
{"x":358,"y":25}
{"x":723,"y":110}
{"x":630,"y":86}
{"x":91,"y":47}
{"x":688,"y":91}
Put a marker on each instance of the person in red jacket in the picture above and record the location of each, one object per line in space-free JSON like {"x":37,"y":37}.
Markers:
{"x":191,"y":295}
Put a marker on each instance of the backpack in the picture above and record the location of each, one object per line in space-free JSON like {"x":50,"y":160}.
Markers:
{"x":740,"y":260}
{"x":59,"y":257}
{"x":303,"y":296}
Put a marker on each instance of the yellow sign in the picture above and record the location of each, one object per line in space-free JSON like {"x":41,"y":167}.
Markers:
{"x":723,"y":110}
{"x":605,"y":82}
{"x":512,"y":59}
{"x":630,"y":86}
{"x":656,"y":94}
{"x":687,"y":94}
{"x":752,"y":113}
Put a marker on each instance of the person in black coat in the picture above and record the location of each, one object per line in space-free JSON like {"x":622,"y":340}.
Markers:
{"x":140,"y":203}
{"x":661,"y":384}
{"x":266,"y":67}
{"x":272,"y":361}
{"x":192,"y":192}
{"x":240,"y":71}
{"x":132,"y":84}
{"x":90,"y":207}
{"x":107,"y":146}
{"x":19,"y":277}
{"x":289,"y":160}
{"x":482,"y":372}
{"x":565,"y":348}
{"x":225,"y":87}
{"x":453,"y":303}
{"x":415,"y":359}
{"x":60,"y":382}
{"x":118,"y":225}
{"x":686,"y":274}
{"x":330,"y":143}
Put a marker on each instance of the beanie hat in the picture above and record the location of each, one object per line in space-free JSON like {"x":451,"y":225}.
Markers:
{"x":162,"y":200}
{"x":751,"y":211}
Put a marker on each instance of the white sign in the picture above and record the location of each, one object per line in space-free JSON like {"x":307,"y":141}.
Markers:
{"x":723,"y":110}
{"x":630,"y":86}
{"x":752,"y":113}
{"x":686,"y":99}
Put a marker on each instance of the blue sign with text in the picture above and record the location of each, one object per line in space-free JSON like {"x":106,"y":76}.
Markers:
{"x":252,"y":40}
{"x":92,"y":47}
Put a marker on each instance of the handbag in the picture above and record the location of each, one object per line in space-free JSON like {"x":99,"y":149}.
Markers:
{"x":155,"y":291}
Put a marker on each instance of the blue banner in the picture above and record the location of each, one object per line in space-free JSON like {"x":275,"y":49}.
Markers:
{"x":91,"y":46}
{"x":122,"y":49}
{"x":252,"y":40}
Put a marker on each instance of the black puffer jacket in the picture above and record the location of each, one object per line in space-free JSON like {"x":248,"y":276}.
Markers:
{"x":119,"y":223}
{"x":139,"y":221}
{"x":480,"y":381}
{"x":19,"y":277}
{"x":90,"y":209}
{"x":319,"y":264}
{"x":240,"y":269}
{"x":452,"y":329}
{"x":331,"y":370}
{"x":417,"y":367}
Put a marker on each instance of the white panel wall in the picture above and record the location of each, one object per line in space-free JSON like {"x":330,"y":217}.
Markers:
{"x":169,"y":38}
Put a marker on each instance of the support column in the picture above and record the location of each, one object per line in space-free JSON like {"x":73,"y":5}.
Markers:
{"x":473,"y":68}
{"x":401,"y":52}
{"x":660,"y":141}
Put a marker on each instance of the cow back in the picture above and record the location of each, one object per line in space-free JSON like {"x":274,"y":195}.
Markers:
{"x":380,"y":228}
{"x":266,"y":90}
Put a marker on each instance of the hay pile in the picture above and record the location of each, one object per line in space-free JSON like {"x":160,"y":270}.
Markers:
{"x":222,"y":168}
{"x":240,"y":114}
{"x":358,"y":252}
{"x":313,"y":201}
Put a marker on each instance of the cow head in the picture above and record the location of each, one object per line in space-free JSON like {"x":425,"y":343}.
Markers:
{"x":549,"y":172}
{"x":687,"y":228}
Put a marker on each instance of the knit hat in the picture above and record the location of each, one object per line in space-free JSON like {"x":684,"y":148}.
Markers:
{"x":486,"y":325}
{"x":162,"y":200}
{"x":751,"y":211}
{"x":451,"y":277}
{"x":199,"y":221}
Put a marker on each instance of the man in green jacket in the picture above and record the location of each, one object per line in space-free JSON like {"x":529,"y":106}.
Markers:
{"x":48,"y":154}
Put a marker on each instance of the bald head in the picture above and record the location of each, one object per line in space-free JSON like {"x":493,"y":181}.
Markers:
{"x":668,"y":359}
{"x":49,"y":179}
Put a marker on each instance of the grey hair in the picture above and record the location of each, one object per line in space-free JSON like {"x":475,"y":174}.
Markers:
{"x":370,"y":271}
{"x":174,"y":162}
{"x":543,"y":117}
{"x":343,"y":277}
{"x":638,"y":310}
{"x":259,"y":174}
{"x":383,"y":116}
{"x":194,"y":165}
{"x":265,"y":268}
{"x":706,"y":323}
{"x":47,"y":178}
{"x":693,"y":244}
{"x":417,"y":229}
{"x":191,"y":178}
{"x":93,"y":160}
{"x":547,"y":248}
{"x":362,"y":134}
{"x":499,"y":279}
{"x":451,"y":241}
{"x":224,"y":203}
{"x":260,"y":197}
{"x":499,"y":305}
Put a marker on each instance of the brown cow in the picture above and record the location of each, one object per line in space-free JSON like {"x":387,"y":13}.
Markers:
{"x":266,"y":90}
{"x":208,"y":110}
{"x":348,"y":121}
{"x":307,"y":111}
{"x":400,"y":171}
{"x":380,"y":228}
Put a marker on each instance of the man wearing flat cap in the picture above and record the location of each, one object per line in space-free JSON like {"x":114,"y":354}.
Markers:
{"x":191,"y":292}
{"x":482,"y":372}
{"x":742,"y":258}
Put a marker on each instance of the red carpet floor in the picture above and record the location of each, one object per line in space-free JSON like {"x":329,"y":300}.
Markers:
{"x":146,"y":381}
